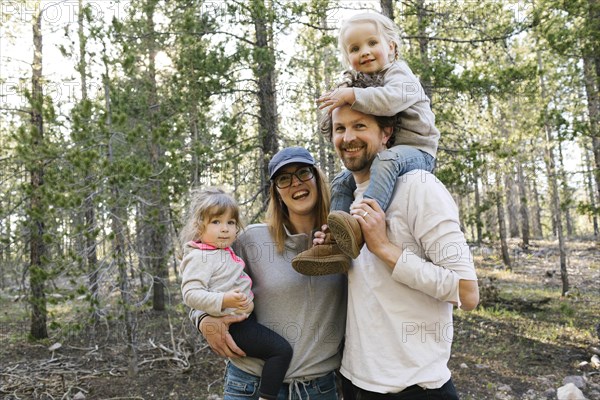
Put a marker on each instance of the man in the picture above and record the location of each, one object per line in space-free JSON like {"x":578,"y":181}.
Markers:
{"x":401,"y":288}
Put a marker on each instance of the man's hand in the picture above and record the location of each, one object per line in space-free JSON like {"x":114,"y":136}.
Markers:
{"x":371,"y":218}
{"x":216,"y":332}
{"x":336,"y":98}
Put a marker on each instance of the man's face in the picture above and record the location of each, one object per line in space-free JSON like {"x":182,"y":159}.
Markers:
{"x":357,"y":139}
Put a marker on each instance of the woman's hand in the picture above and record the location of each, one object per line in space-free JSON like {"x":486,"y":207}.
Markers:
{"x":216,"y":332}
{"x":319,"y":236}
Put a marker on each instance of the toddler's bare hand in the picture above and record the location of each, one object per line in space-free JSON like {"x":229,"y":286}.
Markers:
{"x":235,"y":299}
{"x":336,"y":98}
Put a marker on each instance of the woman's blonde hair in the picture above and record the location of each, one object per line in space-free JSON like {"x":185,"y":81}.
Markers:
{"x":204,"y":205}
{"x":278,"y":215}
{"x":384,"y":26}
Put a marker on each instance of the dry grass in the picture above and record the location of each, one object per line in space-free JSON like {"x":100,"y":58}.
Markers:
{"x":524,"y":334}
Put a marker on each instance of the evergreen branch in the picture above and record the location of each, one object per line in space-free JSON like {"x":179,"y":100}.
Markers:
{"x":471,"y":41}
{"x":242,"y":5}
{"x":236,"y":144}
{"x":13,"y":210}
{"x":243,"y":39}
{"x":315,"y":27}
{"x":231,"y":91}
{"x":16,"y":110}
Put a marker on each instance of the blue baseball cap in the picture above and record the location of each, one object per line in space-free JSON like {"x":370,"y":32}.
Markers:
{"x":287,"y":156}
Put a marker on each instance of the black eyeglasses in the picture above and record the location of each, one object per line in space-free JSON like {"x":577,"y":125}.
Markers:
{"x":285,"y":180}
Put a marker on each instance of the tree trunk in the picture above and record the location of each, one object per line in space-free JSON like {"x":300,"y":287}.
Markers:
{"x":118,"y":214}
{"x":490,"y":215}
{"x":91,"y":254}
{"x":502,"y":223}
{"x":537,"y":223}
{"x":591,"y":192}
{"x":422,"y":19}
{"x":524,"y":208}
{"x":387,"y":8}
{"x":552,"y":181}
{"x":478,"y":221}
{"x":156,"y":211}
{"x":511,"y":205}
{"x":264,"y":71}
{"x":37,"y":248}
{"x":5,"y":253}
{"x":594,"y":32}
{"x":326,"y":159}
{"x":593,"y":103}
{"x":565,"y":192}
{"x":591,"y":70}
{"x":195,"y":137}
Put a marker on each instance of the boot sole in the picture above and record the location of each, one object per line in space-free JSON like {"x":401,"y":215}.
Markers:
{"x":339,"y":228}
{"x":325,"y":266}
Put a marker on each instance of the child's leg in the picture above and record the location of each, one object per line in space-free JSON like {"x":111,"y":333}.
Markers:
{"x":389,"y":165}
{"x":342,"y":191}
{"x":261,"y":342}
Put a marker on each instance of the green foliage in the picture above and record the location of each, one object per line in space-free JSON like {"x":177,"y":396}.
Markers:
{"x":119,"y":163}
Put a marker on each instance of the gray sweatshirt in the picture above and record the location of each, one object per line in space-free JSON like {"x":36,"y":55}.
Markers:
{"x":402,"y":93}
{"x":309,"y":312}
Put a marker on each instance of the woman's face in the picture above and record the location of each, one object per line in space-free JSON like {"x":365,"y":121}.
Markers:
{"x":301,"y":196}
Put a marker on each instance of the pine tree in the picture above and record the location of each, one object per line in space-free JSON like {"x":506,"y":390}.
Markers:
{"x":37,"y":224}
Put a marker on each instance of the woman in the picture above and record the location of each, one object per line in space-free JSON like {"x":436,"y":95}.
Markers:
{"x":309,"y":312}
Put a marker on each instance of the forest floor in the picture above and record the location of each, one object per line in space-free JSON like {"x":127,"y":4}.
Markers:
{"x":521,"y":343}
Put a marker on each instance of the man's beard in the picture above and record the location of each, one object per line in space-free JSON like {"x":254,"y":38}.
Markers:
{"x":356,"y":164}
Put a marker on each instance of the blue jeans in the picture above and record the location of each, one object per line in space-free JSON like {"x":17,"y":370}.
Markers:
{"x":385,"y":170}
{"x":240,"y":385}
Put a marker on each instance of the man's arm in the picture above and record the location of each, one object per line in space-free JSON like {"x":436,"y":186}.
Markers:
{"x":438,"y":279}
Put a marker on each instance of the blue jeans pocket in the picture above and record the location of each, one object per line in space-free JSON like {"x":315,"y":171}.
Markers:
{"x":325,"y":387}
{"x":325,"y":384}
{"x":236,"y":387}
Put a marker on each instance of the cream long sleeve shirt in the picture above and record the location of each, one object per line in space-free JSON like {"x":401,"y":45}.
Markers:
{"x":399,"y":325}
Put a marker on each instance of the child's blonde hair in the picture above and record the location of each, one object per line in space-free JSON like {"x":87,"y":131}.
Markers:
{"x":206,"y":204}
{"x":384,"y":26}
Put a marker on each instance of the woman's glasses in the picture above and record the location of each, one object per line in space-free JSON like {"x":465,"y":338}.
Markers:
{"x":284,"y":180}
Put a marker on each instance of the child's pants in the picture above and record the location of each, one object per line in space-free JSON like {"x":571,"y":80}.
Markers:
{"x":385,"y":170}
{"x":261,"y":342}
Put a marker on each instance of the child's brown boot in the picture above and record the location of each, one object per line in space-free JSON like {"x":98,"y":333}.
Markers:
{"x":346,"y":231}
{"x":322,"y":259}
